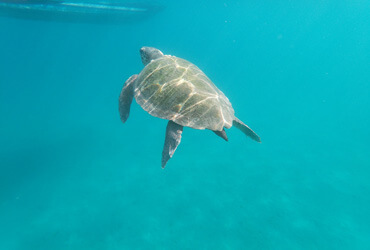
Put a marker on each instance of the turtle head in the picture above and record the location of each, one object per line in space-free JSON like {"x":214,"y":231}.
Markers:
{"x":149,"y":53}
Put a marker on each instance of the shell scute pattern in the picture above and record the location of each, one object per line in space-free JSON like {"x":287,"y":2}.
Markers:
{"x":175,"y":89}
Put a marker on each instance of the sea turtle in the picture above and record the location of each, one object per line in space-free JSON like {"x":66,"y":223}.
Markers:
{"x":174,"y":89}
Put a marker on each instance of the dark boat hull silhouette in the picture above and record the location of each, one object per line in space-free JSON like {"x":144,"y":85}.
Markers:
{"x":74,"y":11}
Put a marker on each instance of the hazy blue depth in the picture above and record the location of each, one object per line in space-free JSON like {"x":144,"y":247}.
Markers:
{"x":72,"y":176}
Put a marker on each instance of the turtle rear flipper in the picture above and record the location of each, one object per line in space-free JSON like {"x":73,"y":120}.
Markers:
{"x":125,"y":98}
{"x":173,"y":139}
{"x":246,"y":130}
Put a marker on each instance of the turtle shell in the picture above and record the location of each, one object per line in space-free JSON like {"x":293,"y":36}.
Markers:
{"x":174,"y":89}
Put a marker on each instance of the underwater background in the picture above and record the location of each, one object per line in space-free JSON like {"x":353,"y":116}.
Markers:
{"x":72,"y":176}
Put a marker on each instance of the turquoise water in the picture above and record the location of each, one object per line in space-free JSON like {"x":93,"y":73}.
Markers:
{"x":72,"y":176}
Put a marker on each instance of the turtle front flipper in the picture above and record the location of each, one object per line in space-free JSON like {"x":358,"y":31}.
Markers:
{"x":125,"y":98}
{"x":246,"y":130}
{"x":173,"y":139}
